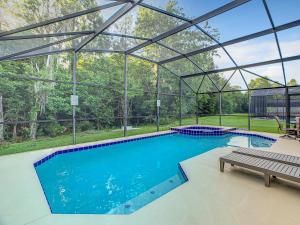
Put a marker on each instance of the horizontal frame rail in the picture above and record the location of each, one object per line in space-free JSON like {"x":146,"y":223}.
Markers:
{"x":292,"y":58}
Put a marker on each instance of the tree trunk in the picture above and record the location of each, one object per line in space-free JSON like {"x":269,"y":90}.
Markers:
{"x":98,"y":124}
{"x":1,"y":119}
{"x":15,"y":131}
{"x":33,"y":125}
{"x":33,"y":128}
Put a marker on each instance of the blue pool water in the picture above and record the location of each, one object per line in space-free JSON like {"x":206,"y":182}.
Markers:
{"x":121,"y":178}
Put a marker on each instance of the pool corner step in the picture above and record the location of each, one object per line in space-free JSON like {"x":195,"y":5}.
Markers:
{"x":148,"y":196}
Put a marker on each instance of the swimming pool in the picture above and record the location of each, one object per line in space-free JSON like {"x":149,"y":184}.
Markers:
{"x":120,"y":178}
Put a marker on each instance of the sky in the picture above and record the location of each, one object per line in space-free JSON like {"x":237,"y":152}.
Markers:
{"x":246,"y":19}
{"x":249,"y":18}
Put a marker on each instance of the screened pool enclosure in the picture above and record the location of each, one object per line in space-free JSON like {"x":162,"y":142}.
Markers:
{"x":143,"y":64}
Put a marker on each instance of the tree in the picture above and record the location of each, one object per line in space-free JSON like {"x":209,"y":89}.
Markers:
{"x":33,"y":11}
{"x":101,"y":98}
{"x":292,"y":82}
{"x":260,"y":83}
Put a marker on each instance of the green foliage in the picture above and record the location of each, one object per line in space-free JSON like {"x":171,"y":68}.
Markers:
{"x":234,"y":102}
{"x":259,"y":83}
{"x":51,"y":130}
{"x":62,"y":140}
{"x":46,"y":98}
{"x":207,"y":104}
{"x":292,"y":82}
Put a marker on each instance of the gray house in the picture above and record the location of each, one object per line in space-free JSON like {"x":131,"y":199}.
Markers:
{"x":271,"y":102}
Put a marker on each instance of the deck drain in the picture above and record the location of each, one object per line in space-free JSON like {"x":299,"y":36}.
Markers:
{"x":127,"y":206}
{"x":152,"y":192}
{"x":171,"y":181}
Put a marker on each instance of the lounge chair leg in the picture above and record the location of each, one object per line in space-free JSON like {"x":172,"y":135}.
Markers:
{"x":222,"y":166}
{"x":267,"y":180}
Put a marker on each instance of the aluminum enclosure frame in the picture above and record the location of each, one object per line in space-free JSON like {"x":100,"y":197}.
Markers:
{"x":129,"y":5}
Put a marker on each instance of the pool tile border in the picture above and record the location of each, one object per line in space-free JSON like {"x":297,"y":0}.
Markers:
{"x":187,"y":130}
{"x":173,"y":131}
{"x":206,"y":130}
{"x":89,"y":147}
{"x":129,"y":139}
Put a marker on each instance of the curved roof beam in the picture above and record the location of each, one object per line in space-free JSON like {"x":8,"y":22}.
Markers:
{"x":276,"y":37}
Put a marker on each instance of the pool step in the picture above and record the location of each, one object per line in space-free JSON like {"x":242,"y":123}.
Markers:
{"x":148,"y":196}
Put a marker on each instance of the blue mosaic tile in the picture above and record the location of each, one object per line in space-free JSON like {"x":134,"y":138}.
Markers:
{"x":65,"y":151}
{"x":190,"y":130}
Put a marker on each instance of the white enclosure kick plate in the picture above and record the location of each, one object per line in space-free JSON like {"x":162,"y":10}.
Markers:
{"x":158,"y":103}
{"x":74,"y":100}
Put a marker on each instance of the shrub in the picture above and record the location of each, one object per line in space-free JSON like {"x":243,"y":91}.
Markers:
{"x":52,"y":130}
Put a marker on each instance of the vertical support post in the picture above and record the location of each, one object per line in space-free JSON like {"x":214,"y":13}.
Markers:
{"x":287,"y":108}
{"x":277,"y":107}
{"x":249,"y":110}
{"x":158,"y":98}
{"x":74,"y":93}
{"x":180,"y":102}
{"x":197,"y":110}
{"x":1,"y":119}
{"x":125,"y":119}
{"x":220,"y":108}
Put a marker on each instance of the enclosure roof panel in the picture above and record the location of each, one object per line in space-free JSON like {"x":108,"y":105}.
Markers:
{"x":112,"y":42}
{"x":155,"y":52}
{"x":188,"y":40}
{"x":254,"y":38}
{"x":53,"y":49}
{"x":248,"y":18}
{"x":22,"y":15}
{"x":144,"y":22}
{"x":284,"y":11}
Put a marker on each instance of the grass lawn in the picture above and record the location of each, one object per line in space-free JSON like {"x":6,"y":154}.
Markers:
{"x":240,"y":121}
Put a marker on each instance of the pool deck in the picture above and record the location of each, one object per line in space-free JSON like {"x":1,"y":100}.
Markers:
{"x":236,"y":197}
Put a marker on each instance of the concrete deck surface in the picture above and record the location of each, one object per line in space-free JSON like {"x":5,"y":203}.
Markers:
{"x":235,"y":197}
